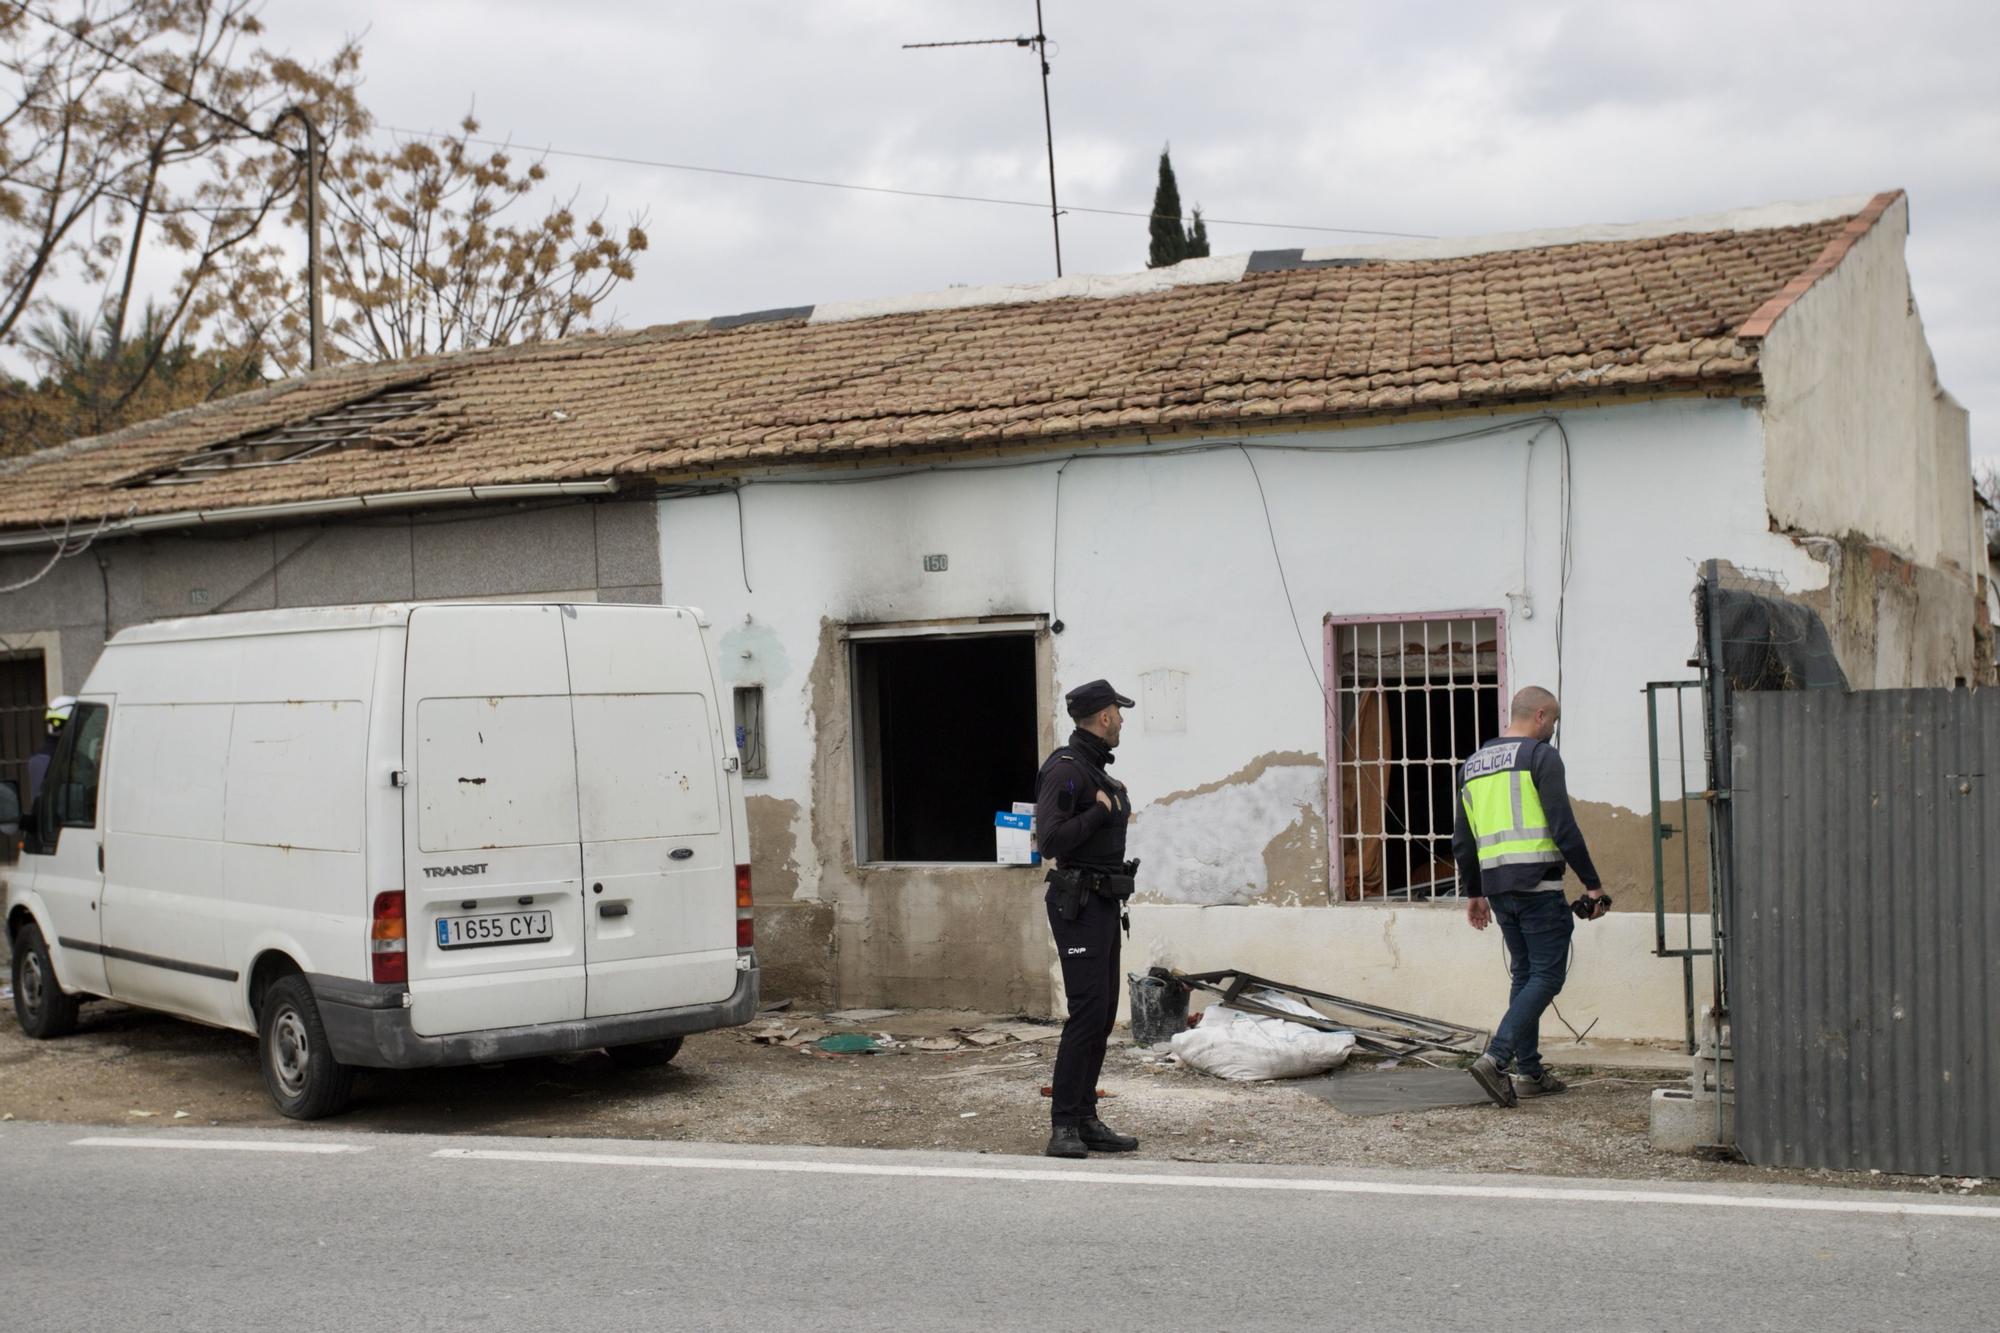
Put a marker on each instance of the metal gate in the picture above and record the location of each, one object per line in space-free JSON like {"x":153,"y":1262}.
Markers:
{"x":1863,"y":928}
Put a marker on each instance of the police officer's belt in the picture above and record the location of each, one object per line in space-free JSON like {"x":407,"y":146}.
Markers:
{"x":1113,"y":886}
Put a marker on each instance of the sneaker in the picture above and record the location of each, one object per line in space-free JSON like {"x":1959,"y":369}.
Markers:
{"x":1543,"y":1084}
{"x":1486,"y":1071}
{"x":1064,"y":1141}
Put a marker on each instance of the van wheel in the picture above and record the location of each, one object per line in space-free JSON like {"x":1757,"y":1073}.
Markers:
{"x":645,"y":1054}
{"x":44,"y":1007}
{"x":300,"y":1072}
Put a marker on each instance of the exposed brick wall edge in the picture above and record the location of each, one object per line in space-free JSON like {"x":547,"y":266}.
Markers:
{"x":1760,"y":321}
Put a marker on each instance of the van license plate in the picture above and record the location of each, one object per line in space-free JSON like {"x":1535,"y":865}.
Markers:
{"x":478,"y":932}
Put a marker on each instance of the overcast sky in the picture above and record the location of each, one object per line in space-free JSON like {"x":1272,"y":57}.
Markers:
{"x":1449,"y":119}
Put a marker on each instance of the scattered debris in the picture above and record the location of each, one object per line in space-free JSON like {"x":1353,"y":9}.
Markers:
{"x":968,"y":1115}
{"x":861,"y":1015}
{"x":181,"y":1115}
{"x":1385,"y":1031}
{"x":774,"y":1034}
{"x":847,"y":1043}
{"x":995,"y":1034}
{"x":935,"y":1044}
{"x":142,"y":1114}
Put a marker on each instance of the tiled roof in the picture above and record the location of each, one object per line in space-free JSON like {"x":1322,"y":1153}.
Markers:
{"x":1282,"y":338}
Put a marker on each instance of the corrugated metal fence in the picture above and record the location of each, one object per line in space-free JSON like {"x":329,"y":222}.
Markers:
{"x":1864,"y":931}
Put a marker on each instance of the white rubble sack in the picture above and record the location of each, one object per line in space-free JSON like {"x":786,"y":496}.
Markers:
{"x":1250,"y":1047}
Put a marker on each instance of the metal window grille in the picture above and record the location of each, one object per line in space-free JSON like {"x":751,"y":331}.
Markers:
{"x":1409,"y":698}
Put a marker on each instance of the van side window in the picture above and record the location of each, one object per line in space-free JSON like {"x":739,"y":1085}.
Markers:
{"x":69,"y":794}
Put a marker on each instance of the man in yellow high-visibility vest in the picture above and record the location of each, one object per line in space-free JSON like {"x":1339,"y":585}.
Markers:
{"x":1512,"y":836}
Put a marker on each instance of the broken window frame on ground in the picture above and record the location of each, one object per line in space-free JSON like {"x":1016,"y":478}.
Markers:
{"x":871,"y":843}
{"x":1357,"y":698}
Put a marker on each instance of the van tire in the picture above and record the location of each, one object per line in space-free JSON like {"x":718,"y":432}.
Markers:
{"x":645,"y":1054}
{"x":43,"y":1007}
{"x":300,"y":1072}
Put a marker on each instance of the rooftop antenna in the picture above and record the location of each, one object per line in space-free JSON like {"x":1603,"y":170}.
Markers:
{"x":1039,"y":43}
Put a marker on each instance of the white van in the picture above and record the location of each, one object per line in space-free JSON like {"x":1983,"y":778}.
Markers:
{"x":394,"y":836}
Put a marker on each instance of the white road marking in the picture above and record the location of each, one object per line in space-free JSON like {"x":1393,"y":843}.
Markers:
{"x":1857,"y":1204}
{"x":219,"y":1145}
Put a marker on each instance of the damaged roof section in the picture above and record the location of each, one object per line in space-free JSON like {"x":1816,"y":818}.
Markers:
{"x":366,"y":423}
{"x":1276,"y":338}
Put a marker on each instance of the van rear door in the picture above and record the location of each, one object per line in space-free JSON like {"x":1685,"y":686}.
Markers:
{"x":658,"y":851}
{"x":492,"y":871}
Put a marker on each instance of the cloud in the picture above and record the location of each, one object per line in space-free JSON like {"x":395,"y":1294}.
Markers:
{"x":1445,"y":119}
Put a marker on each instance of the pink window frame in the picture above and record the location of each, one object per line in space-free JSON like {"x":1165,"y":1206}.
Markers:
{"x":1330,"y":630}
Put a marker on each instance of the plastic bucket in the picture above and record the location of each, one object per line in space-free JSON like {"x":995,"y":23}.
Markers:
{"x":1159,"y":1008}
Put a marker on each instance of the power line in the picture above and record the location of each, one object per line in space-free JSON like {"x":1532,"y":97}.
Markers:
{"x":885,"y":189}
{"x":243,"y":125}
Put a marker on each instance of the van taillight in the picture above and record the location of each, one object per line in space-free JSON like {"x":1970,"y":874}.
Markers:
{"x":388,"y":939}
{"x":745,"y":936}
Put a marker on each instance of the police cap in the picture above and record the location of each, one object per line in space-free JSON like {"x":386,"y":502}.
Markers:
{"x":1094,"y":697}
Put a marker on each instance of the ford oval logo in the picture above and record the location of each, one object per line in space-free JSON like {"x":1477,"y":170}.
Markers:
{"x":681,"y":853}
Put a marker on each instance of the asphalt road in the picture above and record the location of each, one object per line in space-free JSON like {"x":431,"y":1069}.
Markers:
{"x":322,"y":1229}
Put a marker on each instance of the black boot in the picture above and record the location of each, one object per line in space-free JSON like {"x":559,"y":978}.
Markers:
{"x":1100,"y":1137}
{"x":1064,"y":1141}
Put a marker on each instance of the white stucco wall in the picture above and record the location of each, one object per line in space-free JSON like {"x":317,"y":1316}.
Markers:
{"x":1861,"y":437}
{"x":1166,"y":562}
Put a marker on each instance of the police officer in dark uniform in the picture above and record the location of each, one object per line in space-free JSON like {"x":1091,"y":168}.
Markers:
{"x":1080,"y":816}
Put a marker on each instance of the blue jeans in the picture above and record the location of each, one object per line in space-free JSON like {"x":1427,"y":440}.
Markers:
{"x":1537,"y":926}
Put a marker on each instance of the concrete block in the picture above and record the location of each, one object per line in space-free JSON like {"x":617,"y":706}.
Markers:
{"x":1683,"y":1122}
{"x":345,"y":566}
{"x":628,"y":543}
{"x":507,"y":553}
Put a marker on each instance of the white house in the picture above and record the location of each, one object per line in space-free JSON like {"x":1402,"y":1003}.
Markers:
{"x":1319,"y":512}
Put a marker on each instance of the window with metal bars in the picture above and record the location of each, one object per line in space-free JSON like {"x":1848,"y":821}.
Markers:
{"x":1409,"y":698}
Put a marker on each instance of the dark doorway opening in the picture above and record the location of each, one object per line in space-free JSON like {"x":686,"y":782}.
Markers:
{"x":23,"y":702}
{"x":947,"y":739}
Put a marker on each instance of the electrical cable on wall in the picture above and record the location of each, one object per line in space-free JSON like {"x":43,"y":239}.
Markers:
{"x":1291,"y":608}
{"x":742,"y":543}
{"x":1055,"y":552}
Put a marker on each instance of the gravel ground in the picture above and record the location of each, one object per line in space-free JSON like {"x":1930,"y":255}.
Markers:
{"x":727,"y":1088}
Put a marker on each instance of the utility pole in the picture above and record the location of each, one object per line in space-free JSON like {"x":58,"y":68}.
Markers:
{"x":313,"y":155}
{"x":1049,"y":130}
{"x":1039,"y":43}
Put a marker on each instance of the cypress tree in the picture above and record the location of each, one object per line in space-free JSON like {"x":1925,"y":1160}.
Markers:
{"x":1170,"y":243}
{"x":1197,"y":237}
